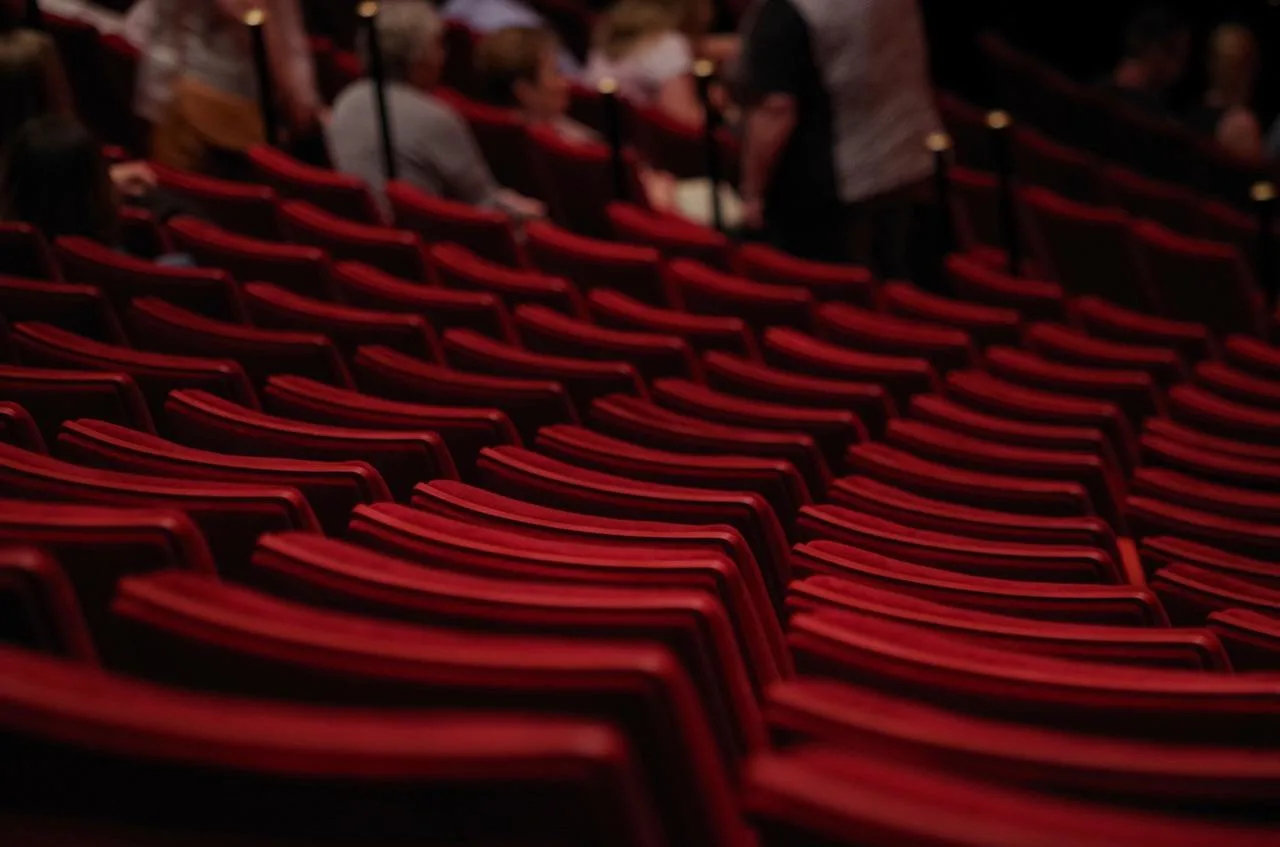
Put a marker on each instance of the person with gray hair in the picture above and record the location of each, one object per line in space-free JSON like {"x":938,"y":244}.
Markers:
{"x":433,"y":146}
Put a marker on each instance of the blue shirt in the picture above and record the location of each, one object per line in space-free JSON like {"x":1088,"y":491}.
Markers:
{"x":492,"y":15}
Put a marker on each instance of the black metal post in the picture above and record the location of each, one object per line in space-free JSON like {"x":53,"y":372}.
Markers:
{"x":255,"y":19}
{"x":368,"y":13}
{"x":608,"y":89}
{"x":704,"y":71}
{"x":939,"y":143}
{"x":33,"y":16}
{"x":1000,"y":125}
{"x":1264,"y":197}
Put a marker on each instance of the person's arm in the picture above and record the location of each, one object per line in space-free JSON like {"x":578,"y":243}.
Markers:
{"x":447,"y":146}
{"x":291,"y":64}
{"x":766,"y":132}
{"x":678,"y":99}
{"x":667,"y":62}
{"x":775,"y":51}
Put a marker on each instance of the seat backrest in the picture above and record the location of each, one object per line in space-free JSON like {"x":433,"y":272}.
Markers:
{"x":205,"y":291}
{"x":453,"y":775}
{"x":241,"y":207}
{"x":396,"y":251}
{"x":23,"y":252}
{"x":437,"y":220}
{"x":677,"y":238}
{"x":244,"y":642}
{"x":82,"y":309}
{"x":339,"y":194}
{"x":592,"y":263}
{"x":54,"y":396}
{"x":370,"y":288}
{"x":305,"y":270}
{"x":458,"y":267}
{"x":38,"y":606}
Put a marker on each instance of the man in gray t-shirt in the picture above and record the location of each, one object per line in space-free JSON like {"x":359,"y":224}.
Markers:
{"x":434,"y":148}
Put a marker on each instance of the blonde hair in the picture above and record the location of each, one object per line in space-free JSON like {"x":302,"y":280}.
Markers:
{"x":32,"y":81}
{"x":1233,"y":63}
{"x":629,"y":22}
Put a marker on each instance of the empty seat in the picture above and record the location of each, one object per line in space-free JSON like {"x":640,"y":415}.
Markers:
{"x":643,"y":422}
{"x":1032,"y":299}
{"x":1072,"y":347}
{"x":395,"y":251}
{"x":332,"y":489}
{"x":775,"y":480}
{"x":999,"y":559}
{"x":155,"y":373}
{"x":1173,"y":206}
{"x":1201,"y":409}
{"x":1239,"y":386}
{"x":675,"y":237}
{"x":1107,"y":320}
{"x":457,"y":267}
{"x":872,"y":497}
{"x":162,"y":327}
{"x":1002,"y":492}
{"x":1087,"y":249}
{"x":339,"y":194}
{"x":1252,"y":638}
{"x":654,"y":355}
{"x":832,"y":429}
{"x":1107,"y":605}
{"x":994,"y":396}
{"x":241,"y":207}
{"x":305,"y":270}
{"x":1202,"y":281}
{"x":520,"y":473}
{"x":1191,"y":648}
{"x":716,"y":664}
{"x":736,"y":375}
{"x":901,"y":376}
{"x":54,"y":396}
{"x":1148,"y":516}
{"x":945,"y":348}
{"x":591,"y":263}
{"x":1103,"y":481}
{"x":823,"y":797}
{"x":1174,"y":487}
{"x":1191,"y":594}
{"x":703,"y":290}
{"x":950,"y":415}
{"x":347,"y":326}
{"x":1248,"y":354}
{"x":530,"y":403}
{"x":82,"y":309}
{"x":1133,"y":391}
{"x":486,"y":509}
{"x":702,"y":332}
{"x":585,"y":379}
{"x":452,"y":775}
{"x":38,"y":607}
{"x":437,"y":220}
{"x":199,"y":630}
{"x":1160,"y":550}
{"x":231,"y":516}
{"x":1152,"y":703}
{"x":403,"y":458}
{"x":466,"y":431}
{"x":1170,"y":429}
{"x":1131,"y":773}
{"x":18,"y":428}
{"x":1244,"y":472}
{"x":825,"y":281}
{"x":984,"y":324}
{"x":205,"y":291}
{"x":577,"y":181}
{"x":362,"y":286}
{"x":1070,"y":172}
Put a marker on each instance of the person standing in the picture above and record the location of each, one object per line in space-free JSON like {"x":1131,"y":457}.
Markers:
{"x":838,"y":107}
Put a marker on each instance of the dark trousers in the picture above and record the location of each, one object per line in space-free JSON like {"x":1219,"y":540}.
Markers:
{"x":876,"y":233}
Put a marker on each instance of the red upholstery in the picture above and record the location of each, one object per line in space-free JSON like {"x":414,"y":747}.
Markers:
{"x":437,"y":220}
{"x":396,"y":251}
{"x":337,"y":194}
{"x":457,"y":267}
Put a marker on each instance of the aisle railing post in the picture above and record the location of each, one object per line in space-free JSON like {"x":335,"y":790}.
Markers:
{"x":1000,"y":127}
{"x":368,"y":12}
{"x":255,"y":20}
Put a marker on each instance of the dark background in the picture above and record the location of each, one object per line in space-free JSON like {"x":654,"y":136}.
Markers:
{"x":1084,"y":38}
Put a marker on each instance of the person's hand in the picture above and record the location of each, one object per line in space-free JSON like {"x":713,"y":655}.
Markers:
{"x":522,"y":207}
{"x":752,"y":214}
{"x":133,"y":179}
{"x":659,"y":189}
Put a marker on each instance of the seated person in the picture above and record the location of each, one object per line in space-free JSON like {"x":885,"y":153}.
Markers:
{"x":485,"y":16}
{"x":516,"y":69}
{"x":434,"y":149}
{"x":55,"y":178}
{"x":1157,"y":43}
{"x":649,"y":47}
{"x":1226,"y":112}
